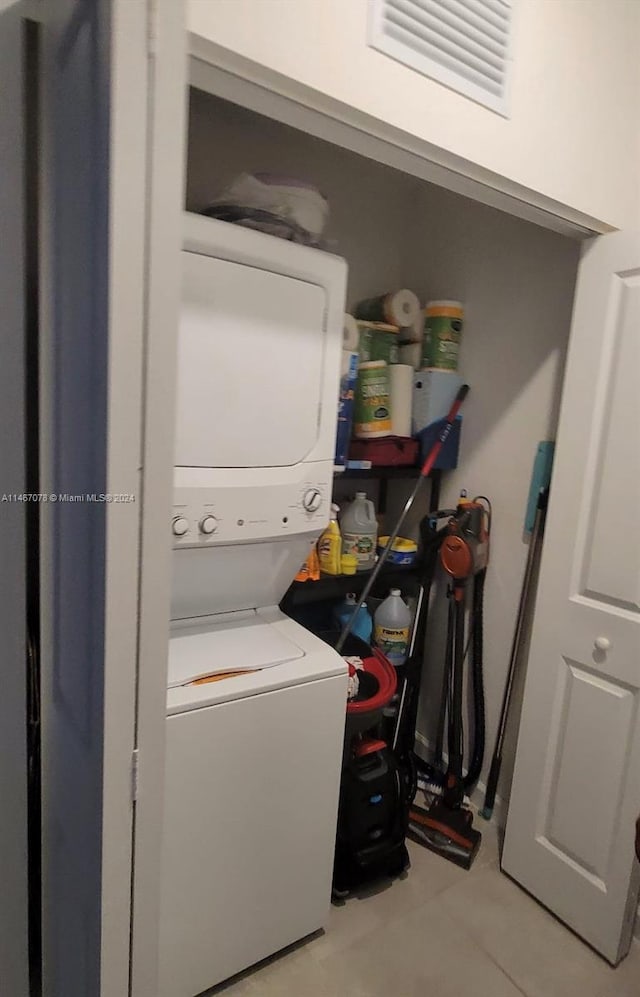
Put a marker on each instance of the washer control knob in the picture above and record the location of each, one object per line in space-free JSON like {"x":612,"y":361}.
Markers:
{"x":208,"y":525}
{"x":180,"y":526}
{"x":312,"y":500}
{"x":602,"y":643}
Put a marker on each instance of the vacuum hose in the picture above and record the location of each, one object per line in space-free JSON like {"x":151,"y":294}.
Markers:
{"x":404,"y":736}
{"x":477,"y":677}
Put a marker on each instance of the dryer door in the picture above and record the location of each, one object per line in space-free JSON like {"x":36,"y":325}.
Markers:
{"x":250,"y":356}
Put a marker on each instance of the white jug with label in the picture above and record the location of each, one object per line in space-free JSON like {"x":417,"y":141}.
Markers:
{"x":360,"y":531}
{"x":391,"y":628}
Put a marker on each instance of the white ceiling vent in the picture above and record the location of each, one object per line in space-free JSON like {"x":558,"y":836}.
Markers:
{"x":465,"y":44}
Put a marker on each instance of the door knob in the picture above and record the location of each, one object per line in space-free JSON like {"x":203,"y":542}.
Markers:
{"x":602,"y":643}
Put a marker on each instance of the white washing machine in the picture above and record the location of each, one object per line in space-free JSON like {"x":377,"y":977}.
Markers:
{"x":252,"y":758}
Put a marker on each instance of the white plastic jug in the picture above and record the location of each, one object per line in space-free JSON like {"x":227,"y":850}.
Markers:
{"x":360,"y":531}
{"x":392,"y":626}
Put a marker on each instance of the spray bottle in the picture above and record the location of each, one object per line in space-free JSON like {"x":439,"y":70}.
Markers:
{"x":330,"y":545}
{"x":363,"y":623}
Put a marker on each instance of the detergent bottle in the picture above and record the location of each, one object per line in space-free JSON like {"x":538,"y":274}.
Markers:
{"x":360,"y":531}
{"x":363,"y":625}
{"x":330,"y":545}
{"x":392,"y":626}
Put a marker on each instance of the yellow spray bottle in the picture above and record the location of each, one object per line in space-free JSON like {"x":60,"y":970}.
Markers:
{"x":330,"y":545}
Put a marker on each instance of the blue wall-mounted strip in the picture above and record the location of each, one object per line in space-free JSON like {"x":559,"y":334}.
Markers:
{"x":540,"y":478}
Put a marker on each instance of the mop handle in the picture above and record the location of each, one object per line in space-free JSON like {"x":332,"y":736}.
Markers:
{"x":516,"y":647}
{"x":434,"y":452}
{"x":427,"y":468}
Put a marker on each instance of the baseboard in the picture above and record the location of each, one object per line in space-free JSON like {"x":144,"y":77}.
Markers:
{"x":478,"y":794}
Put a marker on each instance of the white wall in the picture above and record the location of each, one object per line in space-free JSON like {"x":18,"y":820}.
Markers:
{"x":516,"y":280}
{"x":574,"y":134}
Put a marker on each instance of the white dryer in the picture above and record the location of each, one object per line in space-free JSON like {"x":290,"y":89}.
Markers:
{"x":252,"y":760}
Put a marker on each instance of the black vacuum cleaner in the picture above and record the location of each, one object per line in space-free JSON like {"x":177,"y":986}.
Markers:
{"x":461,"y":547}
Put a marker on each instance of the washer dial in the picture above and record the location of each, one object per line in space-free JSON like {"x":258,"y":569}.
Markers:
{"x":312,"y":500}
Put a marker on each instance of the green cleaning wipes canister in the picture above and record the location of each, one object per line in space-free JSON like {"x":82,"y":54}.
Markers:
{"x":378,"y":341}
{"x":442,"y":335}
{"x":372,"y":416}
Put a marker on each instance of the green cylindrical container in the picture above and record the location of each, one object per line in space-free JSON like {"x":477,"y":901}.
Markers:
{"x":442,"y":334}
{"x":372,"y":407}
{"x":378,"y":341}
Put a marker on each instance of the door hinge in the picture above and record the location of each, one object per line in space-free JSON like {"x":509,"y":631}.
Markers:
{"x":135,"y":764}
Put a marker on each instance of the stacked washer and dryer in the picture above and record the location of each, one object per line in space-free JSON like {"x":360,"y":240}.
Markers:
{"x":253,"y":760}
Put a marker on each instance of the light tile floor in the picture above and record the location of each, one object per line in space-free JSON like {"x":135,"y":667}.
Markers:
{"x":441,"y":932}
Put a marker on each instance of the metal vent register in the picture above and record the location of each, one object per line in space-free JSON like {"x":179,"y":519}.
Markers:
{"x":465,"y":44}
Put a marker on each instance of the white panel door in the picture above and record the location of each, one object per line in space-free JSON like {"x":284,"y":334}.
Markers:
{"x":576,"y":787}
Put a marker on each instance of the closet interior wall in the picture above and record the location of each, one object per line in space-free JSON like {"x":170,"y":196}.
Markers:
{"x":517,"y":284}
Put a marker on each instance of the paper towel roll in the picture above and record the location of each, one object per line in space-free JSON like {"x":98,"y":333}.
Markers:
{"x":350,"y":334}
{"x":404,"y":307}
{"x":413,"y":333}
{"x":411,"y":354}
{"x":401,"y":377}
{"x":399,"y":308}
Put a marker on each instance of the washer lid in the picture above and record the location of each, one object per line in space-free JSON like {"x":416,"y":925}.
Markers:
{"x":242,"y":642}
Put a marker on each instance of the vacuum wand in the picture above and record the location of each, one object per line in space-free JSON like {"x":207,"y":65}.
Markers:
{"x":516,"y":647}
{"x":427,"y":468}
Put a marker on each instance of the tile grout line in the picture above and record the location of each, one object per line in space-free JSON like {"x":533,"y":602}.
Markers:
{"x":465,"y":930}
{"x":485,"y":951}
{"x":478,"y":941}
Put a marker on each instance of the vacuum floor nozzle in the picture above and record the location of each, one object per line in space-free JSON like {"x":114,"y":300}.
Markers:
{"x":446,"y":832}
